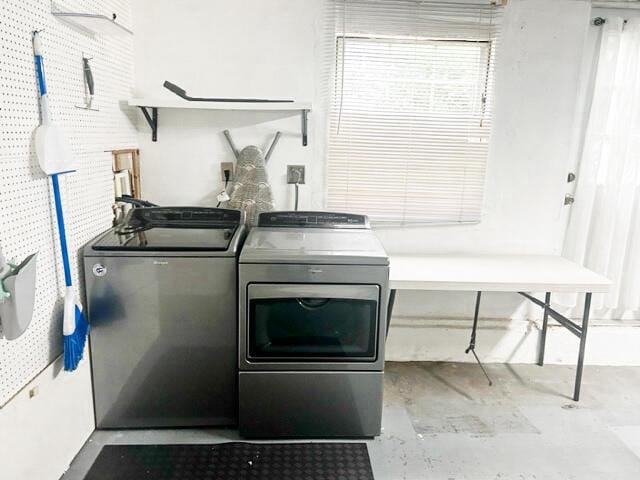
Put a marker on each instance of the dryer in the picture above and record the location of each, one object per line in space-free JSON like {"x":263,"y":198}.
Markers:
{"x":313,"y":290}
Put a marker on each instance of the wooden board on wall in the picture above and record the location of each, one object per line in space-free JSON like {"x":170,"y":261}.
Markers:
{"x":129,"y":159}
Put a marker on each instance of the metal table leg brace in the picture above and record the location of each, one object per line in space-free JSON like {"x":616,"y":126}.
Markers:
{"x":472,"y":343}
{"x":577,"y":330}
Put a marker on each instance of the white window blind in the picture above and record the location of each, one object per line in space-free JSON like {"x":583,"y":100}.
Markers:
{"x":410,"y":111}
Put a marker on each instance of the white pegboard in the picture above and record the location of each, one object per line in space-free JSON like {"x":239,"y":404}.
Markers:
{"x":27,"y":218}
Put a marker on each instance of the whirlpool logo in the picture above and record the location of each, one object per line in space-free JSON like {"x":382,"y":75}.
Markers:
{"x":99,"y":270}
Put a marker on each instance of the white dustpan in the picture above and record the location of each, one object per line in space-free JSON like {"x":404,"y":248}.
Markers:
{"x":52,"y":148}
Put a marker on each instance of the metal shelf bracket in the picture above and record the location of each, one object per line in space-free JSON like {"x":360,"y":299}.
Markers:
{"x":152,"y":120}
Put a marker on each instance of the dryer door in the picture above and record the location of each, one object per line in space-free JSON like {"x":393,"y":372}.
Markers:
{"x":305,"y":323}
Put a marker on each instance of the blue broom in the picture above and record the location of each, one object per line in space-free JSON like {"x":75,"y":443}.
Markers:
{"x":54,"y":157}
{"x":74,"y":326}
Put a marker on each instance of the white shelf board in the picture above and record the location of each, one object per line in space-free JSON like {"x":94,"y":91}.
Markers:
{"x":91,"y":23}
{"x":247,"y":106}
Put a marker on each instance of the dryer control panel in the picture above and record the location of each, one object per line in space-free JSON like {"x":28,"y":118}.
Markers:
{"x":313,"y":220}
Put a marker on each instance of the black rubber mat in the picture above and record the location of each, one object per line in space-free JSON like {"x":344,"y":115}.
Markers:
{"x":233,"y":461}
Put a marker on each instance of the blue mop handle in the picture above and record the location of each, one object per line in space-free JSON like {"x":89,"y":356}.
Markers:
{"x":61,"y":231}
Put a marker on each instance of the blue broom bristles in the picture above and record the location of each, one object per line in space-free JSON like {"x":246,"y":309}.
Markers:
{"x":74,"y":343}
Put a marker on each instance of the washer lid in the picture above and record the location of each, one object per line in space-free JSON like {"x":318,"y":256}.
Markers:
{"x":313,"y":245}
{"x":173,"y":229}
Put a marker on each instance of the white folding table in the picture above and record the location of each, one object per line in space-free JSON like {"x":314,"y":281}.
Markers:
{"x":522,"y":274}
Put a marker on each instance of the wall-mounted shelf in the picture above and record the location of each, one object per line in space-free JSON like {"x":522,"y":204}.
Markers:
{"x":149,"y":108}
{"x":91,"y":23}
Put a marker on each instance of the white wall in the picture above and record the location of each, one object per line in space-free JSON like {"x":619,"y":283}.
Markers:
{"x":536,"y":76}
{"x":45,"y":424}
{"x":245,"y":48}
{"x":40,"y":435}
{"x":257,"y":48}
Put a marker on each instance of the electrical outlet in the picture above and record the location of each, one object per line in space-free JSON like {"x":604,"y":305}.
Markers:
{"x":295,"y":174}
{"x":226,"y":166}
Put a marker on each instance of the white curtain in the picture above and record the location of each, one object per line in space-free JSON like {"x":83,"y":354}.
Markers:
{"x":604,"y":229}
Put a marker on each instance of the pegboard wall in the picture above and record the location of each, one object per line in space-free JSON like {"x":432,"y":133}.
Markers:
{"x":27,"y":218}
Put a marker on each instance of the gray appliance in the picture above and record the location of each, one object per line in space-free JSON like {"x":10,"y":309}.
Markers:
{"x":162,"y":304}
{"x":313,"y":290}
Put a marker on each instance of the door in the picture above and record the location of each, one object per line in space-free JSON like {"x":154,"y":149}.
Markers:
{"x":309,"y":323}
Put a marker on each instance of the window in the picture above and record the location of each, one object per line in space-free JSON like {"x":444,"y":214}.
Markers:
{"x":410,"y":117}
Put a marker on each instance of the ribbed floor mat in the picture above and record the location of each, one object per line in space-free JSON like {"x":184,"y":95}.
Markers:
{"x":233,"y":461}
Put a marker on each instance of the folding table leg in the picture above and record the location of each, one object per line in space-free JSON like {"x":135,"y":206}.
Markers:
{"x":543,"y":334}
{"x":583,"y":342}
{"x":472,"y":343}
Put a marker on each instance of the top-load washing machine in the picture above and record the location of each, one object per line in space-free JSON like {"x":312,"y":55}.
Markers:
{"x":313,"y":290}
{"x":162,"y":302}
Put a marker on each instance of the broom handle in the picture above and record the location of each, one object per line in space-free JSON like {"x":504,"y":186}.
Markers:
{"x":61,"y":231}
{"x":44,"y":107}
{"x":42,"y":83}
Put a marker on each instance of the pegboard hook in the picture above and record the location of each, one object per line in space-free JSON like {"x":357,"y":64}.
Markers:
{"x":5,"y":269}
{"x":17,"y":294}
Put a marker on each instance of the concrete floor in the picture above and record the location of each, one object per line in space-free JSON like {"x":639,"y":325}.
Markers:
{"x":442,"y":421}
